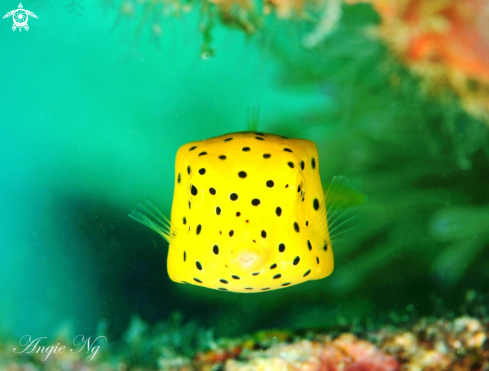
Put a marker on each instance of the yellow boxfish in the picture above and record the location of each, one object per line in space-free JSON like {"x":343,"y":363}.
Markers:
{"x":248,"y":214}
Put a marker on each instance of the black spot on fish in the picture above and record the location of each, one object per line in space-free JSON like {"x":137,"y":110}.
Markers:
{"x":233,"y":196}
{"x":212,"y":191}
{"x":199,"y":228}
{"x":313,"y":163}
{"x":259,"y":138}
{"x":264,"y":234}
{"x":188,"y":170}
{"x":278,"y":211}
{"x":197,"y":280}
{"x":261,"y":134}
{"x":299,"y":188}
{"x":317,"y":259}
{"x":277,"y":276}
{"x":215,"y":249}
{"x":265,"y":289}
{"x":192,"y":148}
{"x":202,"y":153}
{"x":222,"y":289}
{"x":315,"y":204}
{"x":307,"y":223}
{"x":309,"y":245}
{"x":270,"y":183}
{"x":231,"y":232}
{"x":281,"y":247}
{"x":246,"y":149}
{"x":325,"y":247}
{"x":202,"y":171}
{"x":273,"y":266}
{"x":296,"y":227}
{"x":198,"y":265}
{"x":228,"y":139}
{"x":302,"y":165}
{"x":307,"y":273}
{"x":179,"y":177}
{"x":218,"y":210}
{"x":242,"y":174}
{"x":189,"y":205}
{"x":291,"y":164}
{"x":238,"y":213}
{"x":193,"y":190}
{"x":222,"y":157}
{"x":286,"y":284}
{"x":248,"y":288}
{"x":256,"y":274}
{"x":184,"y":220}
{"x":184,"y":256}
{"x":235,"y":277}
{"x":223,"y":281}
{"x":287,"y":150}
{"x":267,"y":155}
{"x":296,"y":260}
{"x":255,"y":202}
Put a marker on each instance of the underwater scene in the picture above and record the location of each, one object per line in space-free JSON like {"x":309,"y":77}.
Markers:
{"x":244,"y":185}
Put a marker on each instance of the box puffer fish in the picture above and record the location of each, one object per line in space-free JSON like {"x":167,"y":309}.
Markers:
{"x":248,"y":214}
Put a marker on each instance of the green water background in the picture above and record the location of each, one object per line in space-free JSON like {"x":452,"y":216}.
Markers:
{"x":91,"y":119}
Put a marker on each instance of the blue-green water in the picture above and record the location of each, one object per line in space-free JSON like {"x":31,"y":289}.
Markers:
{"x":91,"y":118}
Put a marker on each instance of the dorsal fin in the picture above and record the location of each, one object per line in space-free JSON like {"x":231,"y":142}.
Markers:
{"x":253,"y":116}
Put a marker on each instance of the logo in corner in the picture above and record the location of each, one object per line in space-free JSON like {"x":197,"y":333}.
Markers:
{"x":20,"y":17}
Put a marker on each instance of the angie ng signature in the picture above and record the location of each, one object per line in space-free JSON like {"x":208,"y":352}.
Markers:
{"x":81,"y":344}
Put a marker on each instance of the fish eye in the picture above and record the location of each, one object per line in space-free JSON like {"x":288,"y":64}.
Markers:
{"x":300,"y":184}
{"x":195,"y":192}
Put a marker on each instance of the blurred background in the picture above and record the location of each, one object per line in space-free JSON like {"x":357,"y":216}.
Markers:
{"x":98,"y":96}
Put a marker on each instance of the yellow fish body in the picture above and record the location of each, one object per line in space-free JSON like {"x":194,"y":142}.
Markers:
{"x":248,"y":214}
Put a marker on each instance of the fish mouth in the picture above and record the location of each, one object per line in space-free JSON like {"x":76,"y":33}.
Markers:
{"x":248,"y":259}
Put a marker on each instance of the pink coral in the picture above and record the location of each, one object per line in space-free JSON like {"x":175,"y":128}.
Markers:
{"x":346,"y":353}
{"x":365,"y":355}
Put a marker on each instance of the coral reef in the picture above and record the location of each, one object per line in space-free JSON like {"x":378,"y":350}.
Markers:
{"x":343,"y":353}
{"x":431,"y":344}
{"x":440,"y":345}
{"x":249,"y":16}
{"x":445,"y":42}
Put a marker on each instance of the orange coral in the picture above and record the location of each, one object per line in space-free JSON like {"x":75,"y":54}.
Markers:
{"x":445,"y":41}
